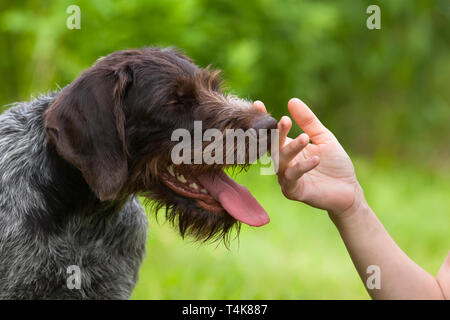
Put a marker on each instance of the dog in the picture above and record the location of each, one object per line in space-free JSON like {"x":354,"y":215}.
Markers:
{"x":73,"y":162}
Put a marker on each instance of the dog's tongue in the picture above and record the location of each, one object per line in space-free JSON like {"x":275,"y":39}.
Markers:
{"x":235,"y":199}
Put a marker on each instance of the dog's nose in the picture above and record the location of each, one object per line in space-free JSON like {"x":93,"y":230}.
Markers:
{"x":265,"y":122}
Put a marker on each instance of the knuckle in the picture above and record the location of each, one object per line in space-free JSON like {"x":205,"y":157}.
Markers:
{"x":300,"y":167}
{"x":288,"y":174}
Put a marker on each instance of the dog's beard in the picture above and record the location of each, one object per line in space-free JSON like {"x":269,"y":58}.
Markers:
{"x":192,"y":221}
{"x":203,"y":202}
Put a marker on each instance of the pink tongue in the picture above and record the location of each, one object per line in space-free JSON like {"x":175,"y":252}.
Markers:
{"x":235,"y":199}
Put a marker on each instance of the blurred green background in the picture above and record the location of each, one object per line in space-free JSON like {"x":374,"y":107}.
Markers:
{"x":384,"y":93}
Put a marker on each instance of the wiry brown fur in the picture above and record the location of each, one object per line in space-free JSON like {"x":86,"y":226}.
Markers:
{"x":114,"y":124}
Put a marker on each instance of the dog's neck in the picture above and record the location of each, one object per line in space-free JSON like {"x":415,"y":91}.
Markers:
{"x":67,"y":193}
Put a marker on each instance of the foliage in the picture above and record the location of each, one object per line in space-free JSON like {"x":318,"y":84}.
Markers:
{"x":383,"y":92}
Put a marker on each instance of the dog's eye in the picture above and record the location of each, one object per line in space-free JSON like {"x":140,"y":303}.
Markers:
{"x":177,"y":104}
{"x":172,"y":102}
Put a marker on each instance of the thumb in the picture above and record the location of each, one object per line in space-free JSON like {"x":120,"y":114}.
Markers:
{"x":308,"y":121}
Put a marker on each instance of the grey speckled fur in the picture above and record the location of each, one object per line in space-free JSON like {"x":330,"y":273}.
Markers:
{"x":108,"y":248}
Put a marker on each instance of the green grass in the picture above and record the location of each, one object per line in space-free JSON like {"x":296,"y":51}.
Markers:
{"x":299,"y":254}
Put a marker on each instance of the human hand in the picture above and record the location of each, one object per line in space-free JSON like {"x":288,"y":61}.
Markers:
{"x":320,"y":173}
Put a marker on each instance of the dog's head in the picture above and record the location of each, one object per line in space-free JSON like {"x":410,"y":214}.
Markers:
{"x":121,"y":123}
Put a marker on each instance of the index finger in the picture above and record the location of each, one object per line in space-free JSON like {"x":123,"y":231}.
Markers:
{"x":308,"y":121}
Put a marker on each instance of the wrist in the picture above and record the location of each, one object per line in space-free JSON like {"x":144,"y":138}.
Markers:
{"x":358,"y":206}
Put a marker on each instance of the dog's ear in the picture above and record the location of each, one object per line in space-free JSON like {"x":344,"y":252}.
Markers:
{"x":86,"y":123}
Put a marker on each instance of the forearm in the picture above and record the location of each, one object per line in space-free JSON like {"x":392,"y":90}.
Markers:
{"x":369,"y":244}
{"x":322,"y":175}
